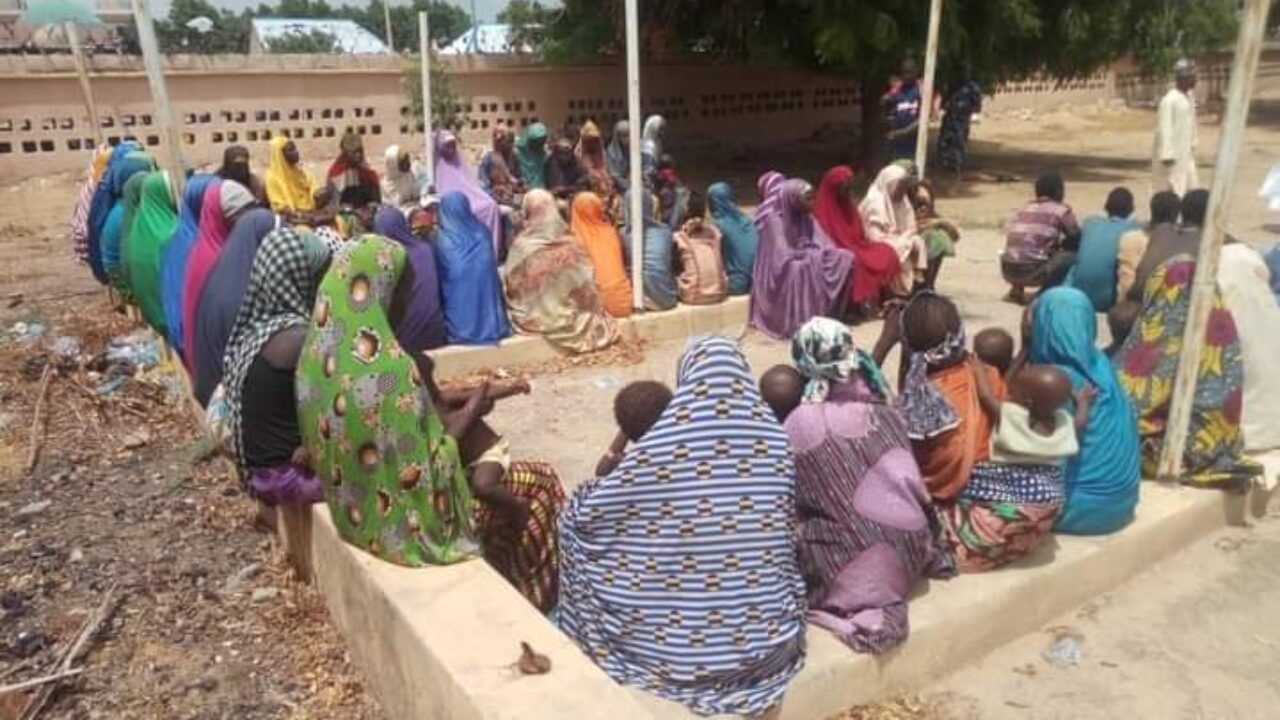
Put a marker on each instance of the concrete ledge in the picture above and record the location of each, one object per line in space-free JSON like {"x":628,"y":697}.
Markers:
{"x":957,"y":621}
{"x":439,"y":642}
{"x":729,"y":316}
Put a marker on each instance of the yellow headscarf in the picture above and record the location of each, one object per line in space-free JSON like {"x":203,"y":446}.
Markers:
{"x":100,"y":158}
{"x":289,"y":187}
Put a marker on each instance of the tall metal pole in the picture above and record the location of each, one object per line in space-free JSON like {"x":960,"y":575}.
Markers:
{"x":82,"y":73}
{"x":160,"y":95}
{"x":636,"y":181}
{"x":424,"y":57}
{"x":1243,"y":70}
{"x":386,"y":16}
{"x":926,"y":88}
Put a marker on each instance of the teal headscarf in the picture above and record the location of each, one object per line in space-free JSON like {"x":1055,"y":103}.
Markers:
{"x":533,"y":159}
{"x":1102,"y":480}
{"x":740,"y":237}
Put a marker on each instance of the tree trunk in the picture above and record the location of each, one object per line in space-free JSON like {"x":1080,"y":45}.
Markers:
{"x":871,"y":133}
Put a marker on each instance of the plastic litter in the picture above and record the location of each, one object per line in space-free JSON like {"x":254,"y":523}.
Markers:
{"x":65,"y":346}
{"x":138,"y":349}
{"x":25,"y":332}
{"x":1066,"y":650}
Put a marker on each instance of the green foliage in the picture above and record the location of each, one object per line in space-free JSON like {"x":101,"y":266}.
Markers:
{"x":528,"y":20}
{"x":988,"y":40}
{"x":230,"y":33}
{"x":446,"y":107}
{"x":304,"y":43}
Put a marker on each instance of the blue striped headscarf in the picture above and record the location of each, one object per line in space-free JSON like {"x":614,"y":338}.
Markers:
{"x":678,"y":572}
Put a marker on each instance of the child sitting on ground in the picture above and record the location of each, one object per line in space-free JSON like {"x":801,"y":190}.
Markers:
{"x":485,"y":454}
{"x":782,"y":387}
{"x":1031,"y":426}
{"x":994,"y":347}
{"x":637,"y":408}
{"x":700,"y":276}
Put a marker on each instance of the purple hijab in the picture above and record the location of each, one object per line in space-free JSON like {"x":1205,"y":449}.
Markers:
{"x":421,"y":325}
{"x":798,"y":273}
{"x":770,"y":187}
{"x":454,"y":175}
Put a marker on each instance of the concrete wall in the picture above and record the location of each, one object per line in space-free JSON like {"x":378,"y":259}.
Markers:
{"x":221,"y":100}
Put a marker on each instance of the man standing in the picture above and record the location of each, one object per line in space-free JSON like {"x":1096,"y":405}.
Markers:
{"x":1174,"y":154}
{"x":902,"y":106}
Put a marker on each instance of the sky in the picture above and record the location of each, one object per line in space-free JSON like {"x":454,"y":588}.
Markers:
{"x":487,"y":10}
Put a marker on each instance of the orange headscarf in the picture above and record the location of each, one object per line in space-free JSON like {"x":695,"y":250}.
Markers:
{"x":947,"y":460}
{"x":600,"y":239}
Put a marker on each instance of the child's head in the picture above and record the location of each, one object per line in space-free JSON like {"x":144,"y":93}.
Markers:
{"x":782,"y":387}
{"x":695,"y":207}
{"x":638,"y":407}
{"x":994,"y":347}
{"x":1041,"y":389}
{"x":1121,"y":318}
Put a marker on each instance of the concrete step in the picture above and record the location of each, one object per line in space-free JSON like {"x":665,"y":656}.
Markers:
{"x":440,"y":642}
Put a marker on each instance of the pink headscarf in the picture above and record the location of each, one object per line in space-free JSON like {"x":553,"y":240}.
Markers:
{"x":209,"y":241}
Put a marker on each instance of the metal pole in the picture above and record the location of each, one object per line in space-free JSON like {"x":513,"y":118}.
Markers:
{"x":386,"y":15}
{"x":82,"y":72}
{"x":636,"y":181}
{"x":926,"y":88}
{"x":424,"y":56}
{"x":160,"y":95}
{"x":1244,"y":68}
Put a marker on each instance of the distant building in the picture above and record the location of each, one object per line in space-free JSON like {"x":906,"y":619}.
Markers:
{"x":351,"y":37}
{"x":484,"y":39}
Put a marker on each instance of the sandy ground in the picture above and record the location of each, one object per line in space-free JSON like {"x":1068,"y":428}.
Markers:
{"x":1193,"y":639}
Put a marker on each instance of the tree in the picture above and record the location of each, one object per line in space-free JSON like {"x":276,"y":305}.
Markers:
{"x":866,"y":40}
{"x":528,"y":20}
{"x":298,"y":42}
{"x":446,"y":107}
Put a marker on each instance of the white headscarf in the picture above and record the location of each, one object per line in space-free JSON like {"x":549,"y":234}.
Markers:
{"x":880,"y":210}
{"x":651,"y":136}
{"x":399,"y":188}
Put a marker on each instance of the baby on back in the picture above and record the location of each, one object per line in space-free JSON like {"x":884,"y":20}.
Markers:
{"x":1032,"y":425}
{"x":637,"y":408}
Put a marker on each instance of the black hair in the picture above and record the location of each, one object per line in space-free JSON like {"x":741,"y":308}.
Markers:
{"x":695,"y":206}
{"x":1165,"y":206}
{"x":1195,"y":205}
{"x":927,"y":320}
{"x":357,"y":195}
{"x":1050,"y":186}
{"x":233,"y":170}
{"x":639,"y":405}
{"x":781,"y":387}
{"x":1119,"y":203}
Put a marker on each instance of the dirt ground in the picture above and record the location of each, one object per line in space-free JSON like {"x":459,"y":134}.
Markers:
{"x":205,"y":621}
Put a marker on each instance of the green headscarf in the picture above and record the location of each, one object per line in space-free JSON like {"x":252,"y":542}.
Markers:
{"x":532,"y":159}
{"x":393,"y":480}
{"x":153,"y":224}
{"x":131,"y":195}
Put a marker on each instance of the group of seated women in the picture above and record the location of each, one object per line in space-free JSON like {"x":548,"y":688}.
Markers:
{"x":826,"y":253}
{"x":728,"y":512}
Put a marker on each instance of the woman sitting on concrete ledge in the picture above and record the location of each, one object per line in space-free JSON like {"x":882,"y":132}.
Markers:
{"x":678,"y":567}
{"x":393,"y":459}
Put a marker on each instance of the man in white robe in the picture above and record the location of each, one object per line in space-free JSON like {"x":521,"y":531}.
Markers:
{"x":1173,"y":163}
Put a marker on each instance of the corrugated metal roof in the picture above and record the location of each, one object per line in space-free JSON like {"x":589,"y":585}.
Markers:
{"x":484,"y":39}
{"x":351,"y":37}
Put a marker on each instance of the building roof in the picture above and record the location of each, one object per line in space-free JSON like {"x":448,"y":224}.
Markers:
{"x":483,"y":39}
{"x":351,"y":37}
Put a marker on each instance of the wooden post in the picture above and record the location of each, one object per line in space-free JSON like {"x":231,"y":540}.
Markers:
{"x":82,"y":72}
{"x":1244,"y":68}
{"x":926,"y":87}
{"x":386,"y":16}
{"x":424,"y":57}
{"x":636,"y":181}
{"x":160,"y":96}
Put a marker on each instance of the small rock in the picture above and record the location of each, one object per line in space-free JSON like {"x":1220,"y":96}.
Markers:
{"x":207,"y":684}
{"x":264,"y":594}
{"x":76,"y":555}
{"x":233,"y":583}
{"x":137,"y":439}
{"x":34,"y":508}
